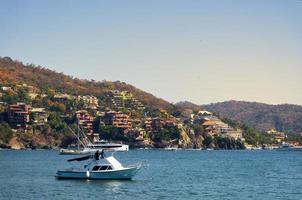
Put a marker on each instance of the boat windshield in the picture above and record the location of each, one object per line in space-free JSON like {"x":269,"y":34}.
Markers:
{"x":102,"y":168}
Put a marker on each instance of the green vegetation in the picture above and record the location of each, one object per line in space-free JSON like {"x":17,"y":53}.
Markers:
{"x":5,"y":133}
{"x":29,"y":81}
{"x":15,"y":72}
{"x":166,"y":134}
{"x":109,"y":132}
{"x":294,"y":138}
{"x":251,"y":135}
{"x":263,"y":117}
{"x":219,"y":142}
{"x":56,"y":123}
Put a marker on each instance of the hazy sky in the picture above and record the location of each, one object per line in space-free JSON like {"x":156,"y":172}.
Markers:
{"x":201,"y":51}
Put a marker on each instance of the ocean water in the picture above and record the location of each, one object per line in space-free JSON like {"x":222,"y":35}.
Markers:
{"x":180,"y":174}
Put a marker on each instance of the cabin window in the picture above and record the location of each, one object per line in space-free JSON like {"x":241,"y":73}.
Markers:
{"x":104,"y":167}
{"x":95,"y":168}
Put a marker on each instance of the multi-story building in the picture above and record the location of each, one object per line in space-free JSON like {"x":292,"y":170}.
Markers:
{"x":203,"y":116}
{"x":231,"y":132}
{"x":124,"y":99}
{"x":18,"y":115}
{"x":90,"y":102}
{"x":39,"y":116}
{"x":85,"y":121}
{"x":117,"y":119}
{"x":122,"y":121}
{"x":214,"y":126}
{"x":154,"y":124}
{"x":277,"y":135}
{"x":217,"y":127}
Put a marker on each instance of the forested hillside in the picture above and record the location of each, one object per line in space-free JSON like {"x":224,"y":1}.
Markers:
{"x":285,"y":117}
{"x":15,"y":72}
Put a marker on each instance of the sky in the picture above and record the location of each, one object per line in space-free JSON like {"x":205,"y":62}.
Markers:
{"x":194,"y":50}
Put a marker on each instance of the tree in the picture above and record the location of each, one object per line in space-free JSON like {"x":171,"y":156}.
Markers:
{"x":56,"y":122}
{"x":207,"y":141}
{"x":23,"y":96}
{"x":58,"y":107}
{"x":6,"y":132}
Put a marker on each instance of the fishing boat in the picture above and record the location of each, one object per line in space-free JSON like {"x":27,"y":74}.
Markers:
{"x":99,"y":168}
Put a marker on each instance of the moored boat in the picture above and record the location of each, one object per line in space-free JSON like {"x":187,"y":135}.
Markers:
{"x":103,"y":168}
{"x":105,"y":145}
{"x":72,"y":152}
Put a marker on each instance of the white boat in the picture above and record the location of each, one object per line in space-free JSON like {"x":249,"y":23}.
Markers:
{"x":171,"y":148}
{"x":289,"y":147}
{"x":97,"y":146}
{"x":106,"y":168}
{"x":92,"y":147}
{"x":72,"y":152}
{"x":105,"y":145}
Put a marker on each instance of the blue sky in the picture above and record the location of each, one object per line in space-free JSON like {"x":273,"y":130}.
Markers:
{"x":201,"y":51}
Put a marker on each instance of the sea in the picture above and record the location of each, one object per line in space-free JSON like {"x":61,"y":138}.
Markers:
{"x":181,"y":174}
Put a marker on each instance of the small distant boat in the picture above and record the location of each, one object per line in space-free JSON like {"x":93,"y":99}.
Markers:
{"x":104,"y":168}
{"x":171,"y":148}
{"x":289,"y":147}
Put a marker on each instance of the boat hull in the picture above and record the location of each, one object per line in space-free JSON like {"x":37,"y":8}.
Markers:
{"x":123,"y":174}
{"x":72,"y":152}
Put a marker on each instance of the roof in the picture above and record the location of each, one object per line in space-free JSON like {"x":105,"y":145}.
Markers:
{"x":204,"y":112}
{"x":209,"y":123}
{"x":116,"y":164}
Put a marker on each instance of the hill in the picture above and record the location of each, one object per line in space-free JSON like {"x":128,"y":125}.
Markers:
{"x":15,"y":72}
{"x":50,"y":102}
{"x":284,"y":117}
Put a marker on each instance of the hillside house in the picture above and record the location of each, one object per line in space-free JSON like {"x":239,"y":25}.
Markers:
{"x":117,"y":119}
{"x":85,"y":121}
{"x":90,"y":102}
{"x":124,"y":99}
{"x":38,"y":116}
{"x":277,"y":135}
{"x":18,"y":115}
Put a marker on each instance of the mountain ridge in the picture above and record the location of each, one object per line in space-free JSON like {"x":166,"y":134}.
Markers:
{"x":42,"y":78}
{"x":262,"y":116}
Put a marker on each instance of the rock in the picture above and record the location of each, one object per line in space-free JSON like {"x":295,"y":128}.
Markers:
{"x":14,"y":143}
{"x":4,"y":146}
